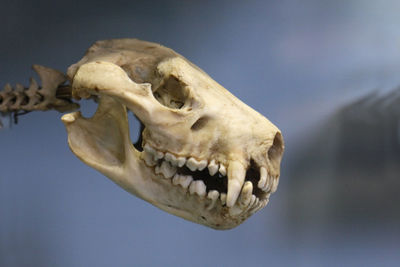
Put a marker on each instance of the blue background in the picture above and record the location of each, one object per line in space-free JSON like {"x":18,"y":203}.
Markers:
{"x":299,"y":63}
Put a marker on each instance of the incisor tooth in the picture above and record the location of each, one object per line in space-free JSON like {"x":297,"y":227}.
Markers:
{"x":236,"y":175}
{"x":263,"y":177}
{"x":213,"y":168}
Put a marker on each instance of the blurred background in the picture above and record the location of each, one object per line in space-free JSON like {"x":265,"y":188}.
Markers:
{"x":325,"y":72}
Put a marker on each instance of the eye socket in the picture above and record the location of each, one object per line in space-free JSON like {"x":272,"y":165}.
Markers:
{"x":200,"y":123}
{"x":172,"y":93}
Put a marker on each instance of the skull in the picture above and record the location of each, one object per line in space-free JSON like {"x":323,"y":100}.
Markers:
{"x":202,"y":155}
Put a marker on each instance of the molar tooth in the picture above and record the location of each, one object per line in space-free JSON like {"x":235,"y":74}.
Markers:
{"x":213,"y":167}
{"x":192,"y":164}
{"x":223,"y":198}
{"x":149,"y":150}
{"x":236,"y":175}
{"x":148,"y":158}
{"x":157,"y":170}
{"x":222,"y":170}
{"x":213,"y":195}
{"x":167,"y":169}
{"x":192,"y":187}
{"x":171,"y":158}
{"x":263,"y":177}
{"x":181,"y":161}
{"x":185,"y":180}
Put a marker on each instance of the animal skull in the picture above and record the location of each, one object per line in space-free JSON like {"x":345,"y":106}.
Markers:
{"x":203,"y":154}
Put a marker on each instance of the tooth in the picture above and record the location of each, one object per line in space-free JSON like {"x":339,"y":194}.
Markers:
{"x":176,"y":179}
{"x":213,"y":168}
{"x":149,"y":149}
{"x":181,"y":161}
{"x":192,"y":187}
{"x":236,"y":175}
{"x":159,"y":155}
{"x":185,"y":180}
{"x":171,"y":158}
{"x":200,"y":188}
{"x":213,"y":195}
{"x":275,"y":184}
{"x":167,"y":169}
{"x":263,"y":177}
{"x":235,"y":210}
{"x":157,"y":170}
{"x":251,"y":203}
{"x":202,"y":164}
{"x":223,"y":198}
{"x":222,"y":170}
{"x":245,"y":195}
{"x":268,"y":184}
{"x":149,"y":159}
{"x":192,"y":164}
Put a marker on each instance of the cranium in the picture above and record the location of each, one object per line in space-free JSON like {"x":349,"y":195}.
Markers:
{"x":203,"y":154}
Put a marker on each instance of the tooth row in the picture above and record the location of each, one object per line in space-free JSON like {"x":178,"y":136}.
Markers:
{"x":151,"y":156}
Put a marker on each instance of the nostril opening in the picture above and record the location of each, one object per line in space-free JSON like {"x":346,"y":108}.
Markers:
{"x":276,"y":150}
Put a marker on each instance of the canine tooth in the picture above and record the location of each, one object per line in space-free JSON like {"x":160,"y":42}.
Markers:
{"x":171,"y":158}
{"x":213,"y":195}
{"x":185,"y":180}
{"x":222,"y":170}
{"x":181,"y":161}
{"x":236,"y":175}
{"x":263,"y":177}
{"x":167,"y":169}
{"x":192,"y":164}
{"x":223,"y":198}
{"x":213,"y":167}
{"x":245,"y":195}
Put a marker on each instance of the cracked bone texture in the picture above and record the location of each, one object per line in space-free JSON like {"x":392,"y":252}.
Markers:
{"x":201,"y":146}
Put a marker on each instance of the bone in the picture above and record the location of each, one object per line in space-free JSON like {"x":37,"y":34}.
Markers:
{"x":198,"y":187}
{"x":213,"y":195}
{"x":213,"y":167}
{"x":236,"y":175}
{"x":263,"y":177}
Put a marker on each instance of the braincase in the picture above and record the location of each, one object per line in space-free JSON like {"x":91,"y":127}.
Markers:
{"x":138,"y":58}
